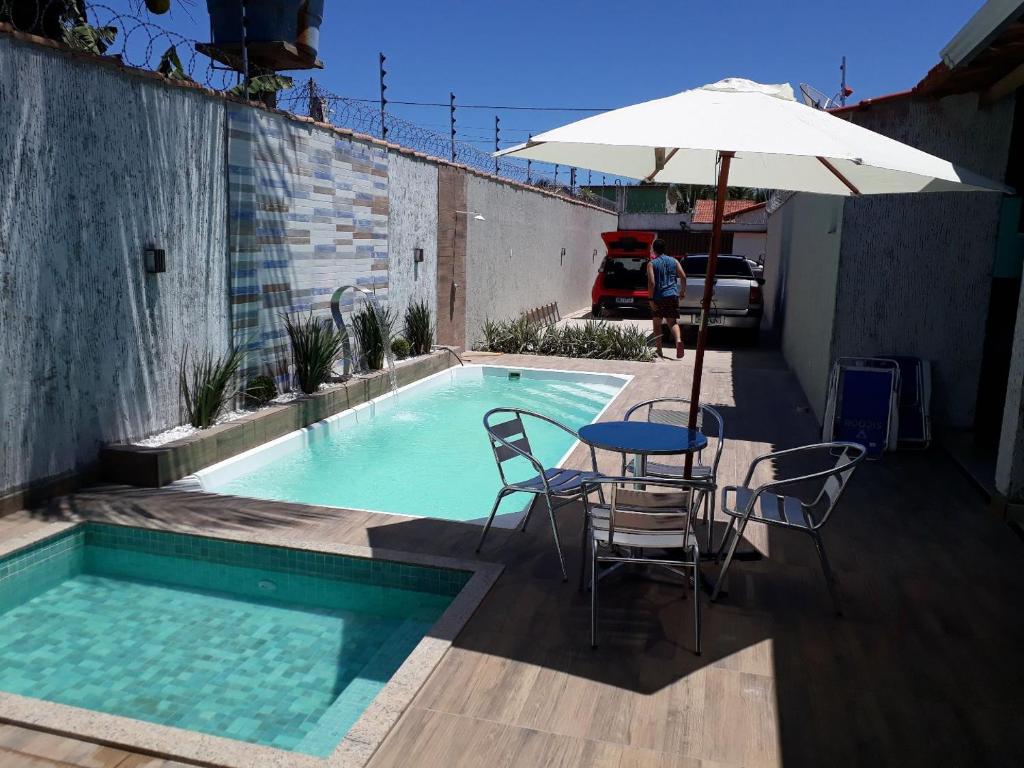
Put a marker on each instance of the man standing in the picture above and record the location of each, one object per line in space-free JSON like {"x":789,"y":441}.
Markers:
{"x":664,"y":277}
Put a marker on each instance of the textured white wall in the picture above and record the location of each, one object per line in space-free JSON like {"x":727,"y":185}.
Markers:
{"x":811,"y":235}
{"x":1010,"y":464}
{"x":513,"y":259}
{"x":95,"y":166}
{"x":412,"y":223}
{"x":749,"y":244}
{"x":916,"y":270}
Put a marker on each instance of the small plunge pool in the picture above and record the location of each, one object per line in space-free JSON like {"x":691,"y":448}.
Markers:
{"x":278,"y":647}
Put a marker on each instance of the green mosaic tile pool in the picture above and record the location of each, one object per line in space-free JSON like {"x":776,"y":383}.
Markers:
{"x":262,"y":644}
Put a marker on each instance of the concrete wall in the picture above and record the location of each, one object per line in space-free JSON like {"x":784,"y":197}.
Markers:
{"x":810,"y":228}
{"x":96,"y":166}
{"x":916,"y":270}
{"x":412,"y":223}
{"x":1010,"y":463}
{"x":515,"y":258}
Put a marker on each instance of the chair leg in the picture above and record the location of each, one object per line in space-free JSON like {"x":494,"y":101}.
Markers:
{"x":529,"y":511}
{"x":737,"y":534}
{"x":709,"y":520}
{"x":583,"y":548}
{"x":725,"y":539}
{"x":554,"y":530}
{"x":696,"y":598}
{"x":490,"y":519}
{"x":830,"y":579}
{"x":593,"y":593}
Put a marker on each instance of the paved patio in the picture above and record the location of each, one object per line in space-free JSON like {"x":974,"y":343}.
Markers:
{"x":924,"y":669}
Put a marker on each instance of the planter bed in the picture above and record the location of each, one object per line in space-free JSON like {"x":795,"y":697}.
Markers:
{"x":157,"y":466}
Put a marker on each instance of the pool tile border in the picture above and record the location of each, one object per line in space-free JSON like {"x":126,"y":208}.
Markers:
{"x":358,"y":745}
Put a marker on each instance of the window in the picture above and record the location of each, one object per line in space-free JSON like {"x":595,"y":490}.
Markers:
{"x":728,"y":266}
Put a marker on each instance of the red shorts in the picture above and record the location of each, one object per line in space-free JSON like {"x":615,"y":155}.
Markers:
{"x":667,"y":308}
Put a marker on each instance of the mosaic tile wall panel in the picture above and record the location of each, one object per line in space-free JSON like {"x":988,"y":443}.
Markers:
{"x":308,"y":214}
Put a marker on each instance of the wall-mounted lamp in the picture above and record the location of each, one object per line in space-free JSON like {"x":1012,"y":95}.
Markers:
{"x":155,"y":259}
{"x":474,"y":214}
{"x":417,"y":255}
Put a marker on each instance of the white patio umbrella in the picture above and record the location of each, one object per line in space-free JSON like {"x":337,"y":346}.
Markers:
{"x":750,"y":135}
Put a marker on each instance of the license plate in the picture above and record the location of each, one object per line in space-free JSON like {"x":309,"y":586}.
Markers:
{"x":623,"y":299}
{"x":712,"y":320}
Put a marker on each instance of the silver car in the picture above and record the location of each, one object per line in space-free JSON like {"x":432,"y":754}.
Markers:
{"x":737,"y":301}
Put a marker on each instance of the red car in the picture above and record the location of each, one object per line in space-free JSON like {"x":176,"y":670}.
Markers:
{"x":621,"y":281}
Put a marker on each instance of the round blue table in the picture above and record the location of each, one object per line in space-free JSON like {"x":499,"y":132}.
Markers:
{"x":642,"y":438}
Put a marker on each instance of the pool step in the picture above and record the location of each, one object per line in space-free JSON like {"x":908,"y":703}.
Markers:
{"x":362,"y":689}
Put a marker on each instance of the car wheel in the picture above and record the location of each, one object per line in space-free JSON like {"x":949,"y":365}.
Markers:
{"x":752,"y":336}
{"x":595,"y":311}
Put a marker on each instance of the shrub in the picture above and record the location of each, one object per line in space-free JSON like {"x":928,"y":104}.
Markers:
{"x":204,"y":386}
{"x":593,"y":339}
{"x":373,"y":328}
{"x":400,"y":348}
{"x":419,"y":328}
{"x":260,"y":391}
{"x":316,"y":344}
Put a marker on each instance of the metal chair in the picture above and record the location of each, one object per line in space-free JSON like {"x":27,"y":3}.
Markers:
{"x":636,"y":522}
{"x":762,"y":504}
{"x":507,"y":435}
{"x":705,"y":467}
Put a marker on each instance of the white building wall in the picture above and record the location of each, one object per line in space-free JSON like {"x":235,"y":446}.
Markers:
{"x":751,"y":245}
{"x":96,"y":166}
{"x":515,"y":259}
{"x":916,"y":270}
{"x":412,"y":223}
{"x":811,"y":238}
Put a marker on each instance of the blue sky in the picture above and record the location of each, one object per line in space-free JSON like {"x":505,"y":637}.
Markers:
{"x":609,"y":54}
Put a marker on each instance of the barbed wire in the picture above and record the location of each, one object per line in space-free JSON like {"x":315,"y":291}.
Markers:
{"x":136,"y":42}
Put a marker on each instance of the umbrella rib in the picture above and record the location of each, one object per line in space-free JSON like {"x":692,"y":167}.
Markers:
{"x":661,"y":160}
{"x":835,"y":172}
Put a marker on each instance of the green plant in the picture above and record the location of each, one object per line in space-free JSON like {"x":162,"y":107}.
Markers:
{"x":204,"y":385}
{"x":400,"y":348}
{"x":261,"y":86}
{"x":373,"y":326}
{"x":594,"y":339}
{"x":260,"y":391}
{"x":316,"y":344}
{"x":419,"y":328}
{"x":170,"y":65}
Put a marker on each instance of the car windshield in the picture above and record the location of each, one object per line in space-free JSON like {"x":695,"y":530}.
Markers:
{"x":728,"y":266}
{"x":626,"y":272}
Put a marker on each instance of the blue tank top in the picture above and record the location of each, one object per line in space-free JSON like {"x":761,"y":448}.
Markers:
{"x":666,"y":282}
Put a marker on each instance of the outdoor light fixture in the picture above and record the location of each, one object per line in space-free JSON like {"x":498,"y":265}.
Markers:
{"x":156,"y":260}
{"x":474,"y":214}
{"x":417,"y":255}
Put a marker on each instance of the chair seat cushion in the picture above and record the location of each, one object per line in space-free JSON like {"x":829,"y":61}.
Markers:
{"x":770,"y":508}
{"x":561,"y":481}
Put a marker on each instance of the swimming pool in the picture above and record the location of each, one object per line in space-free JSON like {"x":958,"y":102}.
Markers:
{"x":421,"y":451}
{"x":277,"y":647}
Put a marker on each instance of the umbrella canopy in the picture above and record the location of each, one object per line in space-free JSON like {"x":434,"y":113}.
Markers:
{"x":747,"y":134}
{"x":778,"y":143}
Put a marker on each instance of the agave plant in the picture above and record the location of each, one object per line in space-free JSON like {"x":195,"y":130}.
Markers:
{"x":594,"y":339}
{"x":204,"y":385}
{"x":419,"y":328}
{"x":316,"y":344}
{"x":373,"y":326}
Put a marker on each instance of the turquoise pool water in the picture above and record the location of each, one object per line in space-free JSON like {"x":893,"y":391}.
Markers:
{"x":427,"y":453}
{"x":259,"y":644}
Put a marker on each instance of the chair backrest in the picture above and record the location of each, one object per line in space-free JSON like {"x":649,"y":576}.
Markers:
{"x":507,"y":436}
{"x":661,"y":507}
{"x":849,"y":455}
{"x":660,"y":411}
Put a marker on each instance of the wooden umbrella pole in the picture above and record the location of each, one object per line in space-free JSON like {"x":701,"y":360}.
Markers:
{"x":709,"y":285}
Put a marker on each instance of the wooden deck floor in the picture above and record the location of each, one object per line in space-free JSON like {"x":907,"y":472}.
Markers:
{"x":924,"y":669}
